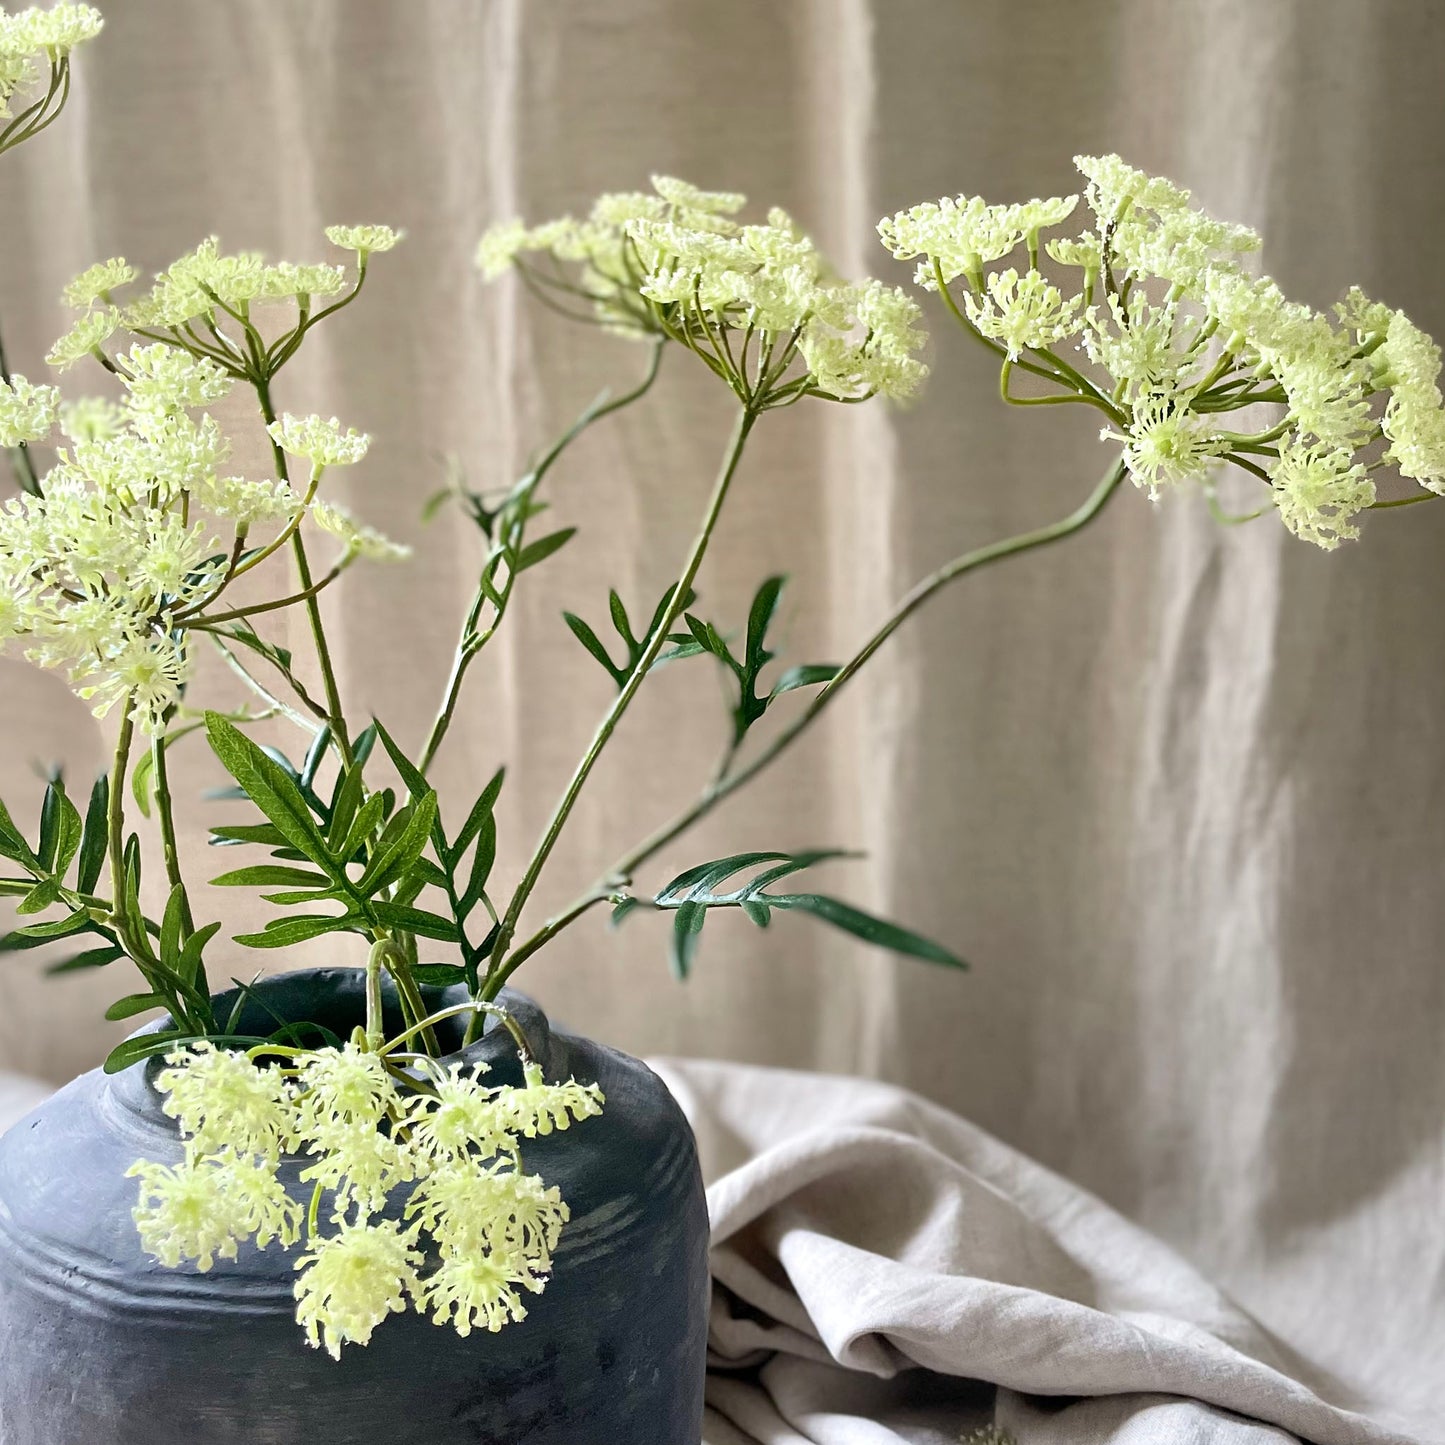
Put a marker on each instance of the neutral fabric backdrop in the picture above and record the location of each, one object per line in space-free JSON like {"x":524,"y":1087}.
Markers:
{"x":1175,"y":791}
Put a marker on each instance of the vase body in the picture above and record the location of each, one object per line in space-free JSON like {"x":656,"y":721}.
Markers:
{"x":101,"y":1345}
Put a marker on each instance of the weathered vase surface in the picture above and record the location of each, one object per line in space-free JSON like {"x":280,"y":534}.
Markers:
{"x":101,"y":1345}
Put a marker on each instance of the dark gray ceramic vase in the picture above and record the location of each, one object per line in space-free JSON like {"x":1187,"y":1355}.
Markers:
{"x":100,"y":1345}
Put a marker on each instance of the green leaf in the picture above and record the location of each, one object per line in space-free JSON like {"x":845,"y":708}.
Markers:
{"x":93,"y":838}
{"x":481,"y":811}
{"x":12,"y":842}
{"x":543,"y":548}
{"x":393,"y":859}
{"x":45,"y":894}
{"x":283,"y":932}
{"x":60,"y":829}
{"x":142,"y":782}
{"x":346,"y":798}
{"x":760,"y":618}
{"x":132,"y":1051}
{"x":91,"y":958}
{"x":271,"y":787}
{"x":361,"y":751}
{"x":710,"y":640}
{"x":620,"y":620}
{"x":707,"y":876}
{"x":758,"y":912}
{"x":264,"y":833}
{"x":363,"y":827}
{"x":795,"y":864}
{"x":482,"y":861}
{"x":627,"y":906}
{"x":315,"y":756}
{"x":439,"y":975}
{"x":686,"y":930}
{"x":862,"y":925}
{"x":35,"y":934}
{"x":589,"y":639}
{"x":271,"y":875}
{"x":808,"y":675}
{"x":189,"y":965}
{"x":415,"y":920}
{"x":173,"y":926}
{"x":411,"y":775}
{"x":134,"y":1003}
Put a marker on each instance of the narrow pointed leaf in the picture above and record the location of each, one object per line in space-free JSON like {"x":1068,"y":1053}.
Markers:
{"x":760,"y":617}
{"x":173,"y":926}
{"x":543,"y":548}
{"x":394,"y":858}
{"x":862,"y":925}
{"x":91,"y":958}
{"x":589,"y":639}
{"x":132,"y":1004}
{"x":686,"y":930}
{"x":60,"y":829}
{"x":283,"y":932}
{"x":272,"y":875}
{"x":273,"y":790}
{"x":93,"y":838}
{"x":807,"y":675}
{"x":481,"y":811}
{"x":707,"y":876}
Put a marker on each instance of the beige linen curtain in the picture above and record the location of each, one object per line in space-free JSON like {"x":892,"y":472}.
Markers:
{"x":1174,"y":789}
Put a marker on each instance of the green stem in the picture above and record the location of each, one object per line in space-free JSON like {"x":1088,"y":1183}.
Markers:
{"x":621,"y":873}
{"x":115,"y":815}
{"x":375,"y":1029}
{"x":500,"y":968}
{"x":165,"y":813}
{"x":25,"y":473}
{"x":1404,"y":501}
{"x":472,"y":642}
{"x":335,"y":716}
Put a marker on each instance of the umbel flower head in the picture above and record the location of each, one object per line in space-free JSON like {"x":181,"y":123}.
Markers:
{"x":1175,"y":336}
{"x":35,"y":42}
{"x":475,"y":1234}
{"x":756,"y":302}
{"x":116,"y":555}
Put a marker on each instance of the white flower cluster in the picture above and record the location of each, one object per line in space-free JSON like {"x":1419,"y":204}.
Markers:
{"x":1159,"y":302}
{"x":30,"y":38}
{"x":136,"y":528}
{"x":675,"y":263}
{"x":476,"y":1232}
{"x":208,"y":280}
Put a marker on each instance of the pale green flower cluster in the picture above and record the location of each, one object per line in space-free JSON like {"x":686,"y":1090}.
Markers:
{"x":30,"y":39}
{"x":475,"y":1234}
{"x":27,"y":412}
{"x":758,"y":303}
{"x":207,"y":281}
{"x":363,"y":239}
{"x":136,"y":528}
{"x":1155,"y":296}
{"x":136,"y":531}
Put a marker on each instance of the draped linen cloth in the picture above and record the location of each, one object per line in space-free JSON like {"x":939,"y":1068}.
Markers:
{"x":1174,"y":790}
{"x":879,"y":1264}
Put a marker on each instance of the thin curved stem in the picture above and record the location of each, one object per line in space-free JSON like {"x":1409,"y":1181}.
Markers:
{"x":335,"y":716}
{"x":472,"y":642}
{"x":1404,"y":501}
{"x":500,"y":970}
{"x":620,"y":874}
